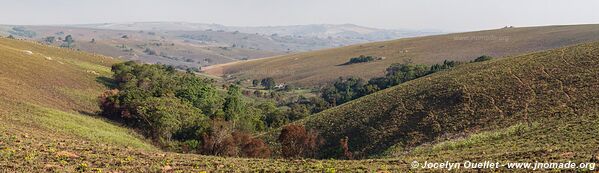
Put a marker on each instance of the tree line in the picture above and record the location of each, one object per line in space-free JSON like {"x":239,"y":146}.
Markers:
{"x":182,"y":112}
{"x":346,"y":89}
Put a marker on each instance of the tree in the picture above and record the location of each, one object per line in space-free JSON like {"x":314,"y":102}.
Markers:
{"x":68,"y":41}
{"x":274,"y":117}
{"x":165,"y":117}
{"x":297,"y":111}
{"x":234,"y":105}
{"x":400,"y":73}
{"x":360,"y":59}
{"x":296,"y":141}
{"x":200,"y":93}
{"x":268,"y":83}
{"x":219,"y":141}
{"x":49,"y":39}
{"x":10,"y":37}
{"x":344,"y":90}
{"x":94,"y":41}
{"x":255,"y":82}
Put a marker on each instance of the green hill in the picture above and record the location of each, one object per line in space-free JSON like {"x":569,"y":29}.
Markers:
{"x":318,"y":67}
{"x":534,"y":106}
{"x":48,"y":100}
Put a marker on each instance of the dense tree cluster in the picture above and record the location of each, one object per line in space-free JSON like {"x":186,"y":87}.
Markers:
{"x":360,"y":59}
{"x":177,"y":109}
{"x":182,"y":112}
{"x":350,"y":88}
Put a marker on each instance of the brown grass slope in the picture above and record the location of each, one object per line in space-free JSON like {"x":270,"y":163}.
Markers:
{"x":314,"y":68}
{"x":47,"y":98}
{"x":543,"y":87}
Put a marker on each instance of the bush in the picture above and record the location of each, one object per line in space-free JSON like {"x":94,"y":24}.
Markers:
{"x":250,"y":146}
{"x":150,"y":51}
{"x":344,"y":90}
{"x":296,"y":141}
{"x":219,"y":141}
{"x":360,"y":59}
{"x":343,"y":143}
{"x":223,"y":141}
{"x":165,"y":118}
{"x":483,"y":58}
{"x":268,"y":83}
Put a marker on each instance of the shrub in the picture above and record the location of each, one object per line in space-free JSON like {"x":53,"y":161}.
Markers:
{"x":250,"y":146}
{"x":268,"y":83}
{"x":150,"y":51}
{"x":234,"y":105}
{"x":483,"y":58}
{"x":343,"y":143}
{"x":360,"y":59}
{"x":296,"y":141}
{"x":219,"y":141}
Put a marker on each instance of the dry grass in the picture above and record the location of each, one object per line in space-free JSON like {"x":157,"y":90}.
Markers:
{"x":317,"y":67}
{"x":544,"y":87}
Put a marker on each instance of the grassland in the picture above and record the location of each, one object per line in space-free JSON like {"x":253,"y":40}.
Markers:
{"x":535,"y":107}
{"x":318,"y":67}
{"x":557,"y":88}
{"x":47,"y":123}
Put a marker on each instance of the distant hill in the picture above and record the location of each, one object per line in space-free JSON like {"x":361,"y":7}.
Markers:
{"x":341,"y":34}
{"x":318,"y":67}
{"x":190,"y":45}
{"x":505,"y":109}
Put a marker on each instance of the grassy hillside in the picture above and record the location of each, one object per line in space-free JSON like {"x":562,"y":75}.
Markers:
{"x":55,"y":90}
{"x":314,"y":68}
{"x":550,"y":93}
{"x":47,"y":123}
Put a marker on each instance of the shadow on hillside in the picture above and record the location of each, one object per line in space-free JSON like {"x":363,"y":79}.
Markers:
{"x":93,"y":114}
{"x":108,"y":82}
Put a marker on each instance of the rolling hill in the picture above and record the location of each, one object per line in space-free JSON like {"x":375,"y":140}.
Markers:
{"x":342,"y":34}
{"x":318,"y":67}
{"x":48,"y":101}
{"x":538,"y":106}
{"x":194,"y":45}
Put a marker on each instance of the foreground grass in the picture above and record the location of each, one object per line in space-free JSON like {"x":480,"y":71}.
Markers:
{"x":568,"y":139}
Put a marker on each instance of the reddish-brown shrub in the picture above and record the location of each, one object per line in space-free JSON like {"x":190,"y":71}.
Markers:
{"x":296,"y":141}
{"x":108,"y":106}
{"x":219,"y":141}
{"x":222,"y":142}
{"x":345,"y":148}
{"x":250,"y":146}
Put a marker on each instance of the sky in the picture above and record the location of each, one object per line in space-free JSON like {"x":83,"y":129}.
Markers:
{"x":446,"y":15}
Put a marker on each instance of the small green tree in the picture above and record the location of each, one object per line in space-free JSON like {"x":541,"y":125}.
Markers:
{"x":200,"y":93}
{"x":49,"y":39}
{"x":268,"y":83}
{"x":255,"y":82}
{"x":234,"y":105}
{"x":68,"y":41}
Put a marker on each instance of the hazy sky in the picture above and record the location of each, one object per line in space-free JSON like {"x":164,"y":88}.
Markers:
{"x":448,"y":15}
